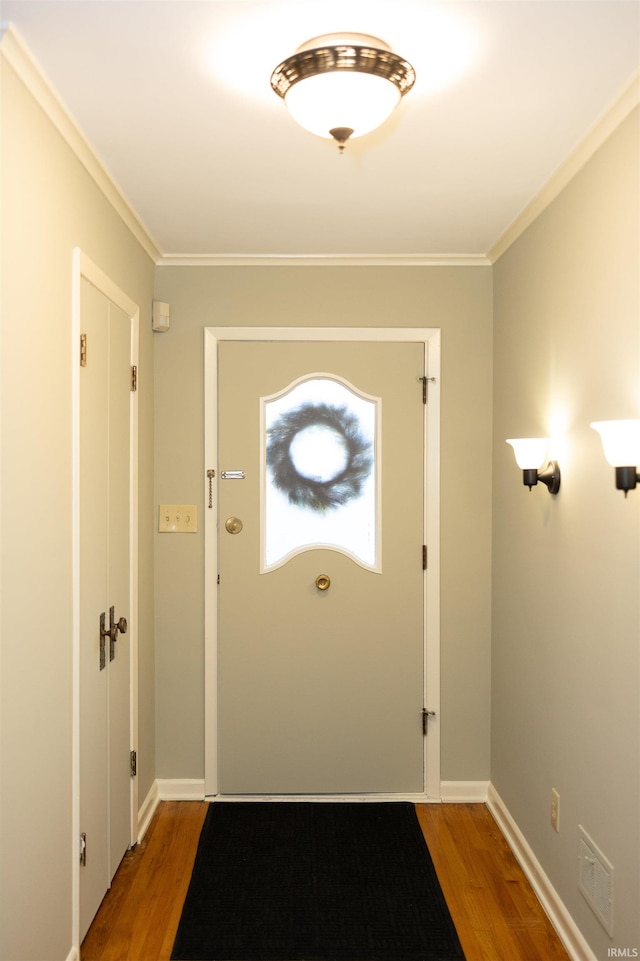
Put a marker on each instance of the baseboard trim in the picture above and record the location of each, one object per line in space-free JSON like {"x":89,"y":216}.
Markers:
{"x":192,"y":789}
{"x":175,"y":789}
{"x":464,"y":792}
{"x":147,"y":810}
{"x":565,"y":926}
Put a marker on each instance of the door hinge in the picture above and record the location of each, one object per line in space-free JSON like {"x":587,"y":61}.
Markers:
{"x":134,"y":377}
{"x":133,"y":763}
{"x":425,"y":720}
{"x":83,"y":850}
{"x":424,"y":557}
{"x":83,"y":350}
{"x":425,"y":382}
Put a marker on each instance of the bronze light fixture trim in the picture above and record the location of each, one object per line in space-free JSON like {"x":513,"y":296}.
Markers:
{"x":346,"y":55}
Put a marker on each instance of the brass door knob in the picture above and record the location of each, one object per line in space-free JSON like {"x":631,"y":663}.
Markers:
{"x":233,"y":525}
{"x":323,"y":582}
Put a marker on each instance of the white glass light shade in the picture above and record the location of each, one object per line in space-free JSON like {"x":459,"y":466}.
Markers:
{"x":342,"y":85}
{"x":620,"y":441}
{"x":530,"y":452}
{"x":359,"y":101}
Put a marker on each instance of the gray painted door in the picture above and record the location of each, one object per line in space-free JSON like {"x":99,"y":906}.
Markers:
{"x":320,"y":691}
{"x":104,"y":582}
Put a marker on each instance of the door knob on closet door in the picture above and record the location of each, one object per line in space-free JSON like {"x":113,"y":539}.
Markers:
{"x":323,"y":582}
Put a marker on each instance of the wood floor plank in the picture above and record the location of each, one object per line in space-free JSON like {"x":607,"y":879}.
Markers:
{"x":494,"y":909}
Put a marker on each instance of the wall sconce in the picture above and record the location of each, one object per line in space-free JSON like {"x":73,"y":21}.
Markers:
{"x":621,"y":445}
{"x":531,"y":454}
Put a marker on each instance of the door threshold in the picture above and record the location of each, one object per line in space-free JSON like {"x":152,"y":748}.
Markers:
{"x":414,"y":798}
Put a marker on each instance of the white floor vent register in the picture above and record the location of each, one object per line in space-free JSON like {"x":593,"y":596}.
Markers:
{"x":595,"y":880}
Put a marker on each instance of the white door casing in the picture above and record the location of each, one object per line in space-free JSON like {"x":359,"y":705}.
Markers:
{"x":429,"y":341}
{"x":105,"y":551}
{"x":119,"y":584}
{"x":94,"y":571}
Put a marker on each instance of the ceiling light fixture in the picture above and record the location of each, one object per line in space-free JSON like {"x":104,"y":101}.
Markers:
{"x":342,"y":85}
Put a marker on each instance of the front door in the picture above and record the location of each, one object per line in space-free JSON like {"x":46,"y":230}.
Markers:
{"x":320,"y":562}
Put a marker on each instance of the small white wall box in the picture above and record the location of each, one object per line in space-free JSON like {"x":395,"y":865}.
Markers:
{"x":160,"y":319}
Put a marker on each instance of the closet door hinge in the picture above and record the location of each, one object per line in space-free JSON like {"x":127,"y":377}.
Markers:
{"x":133,"y":763}
{"x":134,"y":377}
{"x":425,"y":559}
{"x":425,"y":720}
{"x":83,"y":350}
{"x":425,"y":386}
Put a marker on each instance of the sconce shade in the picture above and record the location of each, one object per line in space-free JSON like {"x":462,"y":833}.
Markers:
{"x":621,"y":446}
{"x":342,"y":85}
{"x":531,"y":455}
{"x":620,"y":441}
{"x":530,"y":452}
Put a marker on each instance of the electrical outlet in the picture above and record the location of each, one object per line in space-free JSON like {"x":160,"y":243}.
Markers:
{"x":555,"y":810}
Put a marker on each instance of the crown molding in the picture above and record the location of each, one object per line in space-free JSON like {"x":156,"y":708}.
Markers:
{"x":15,"y":52}
{"x":601,"y":130}
{"x":324,"y":260}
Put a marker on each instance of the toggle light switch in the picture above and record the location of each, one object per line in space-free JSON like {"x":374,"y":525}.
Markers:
{"x":177,"y":518}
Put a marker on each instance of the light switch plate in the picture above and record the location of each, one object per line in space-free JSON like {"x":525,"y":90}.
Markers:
{"x":177,"y":519}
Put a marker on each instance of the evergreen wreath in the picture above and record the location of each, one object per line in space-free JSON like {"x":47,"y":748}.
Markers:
{"x":306,"y":492}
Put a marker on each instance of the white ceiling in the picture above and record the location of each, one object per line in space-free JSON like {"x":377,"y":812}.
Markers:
{"x":174,"y":98}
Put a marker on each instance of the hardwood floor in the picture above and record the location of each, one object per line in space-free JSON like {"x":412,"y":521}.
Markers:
{"x":497,"y":916}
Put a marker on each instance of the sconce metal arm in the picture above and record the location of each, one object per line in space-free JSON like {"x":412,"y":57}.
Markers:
{"x":626,"y":479}
{"x":550,"y":476}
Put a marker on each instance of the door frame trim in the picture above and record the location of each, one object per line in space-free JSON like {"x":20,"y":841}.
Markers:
{"x":430,"y":337}
{"x":84,"y":267}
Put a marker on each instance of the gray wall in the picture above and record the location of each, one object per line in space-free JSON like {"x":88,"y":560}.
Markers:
{"x":49,"y":205}
{"x":566,"y":574}
{"x":458,"y":300}
{"x":557,"y":700}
